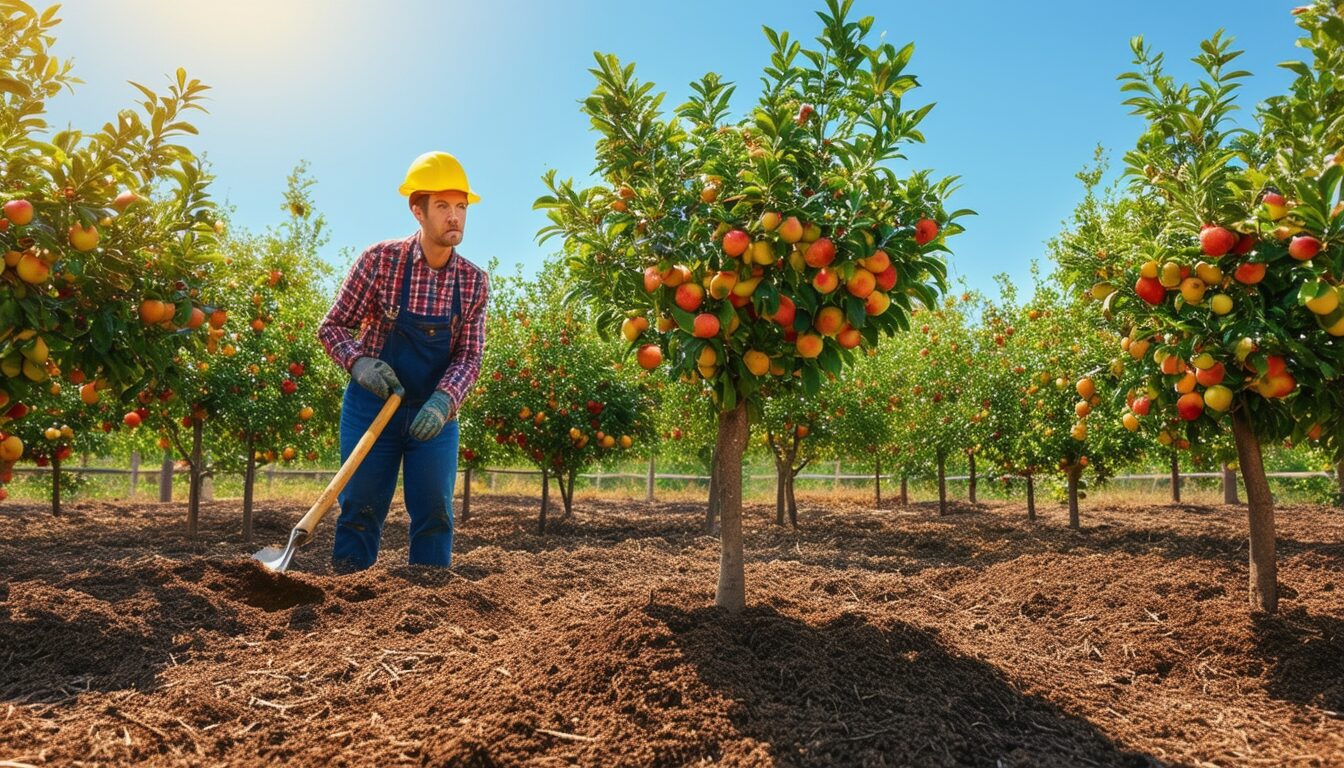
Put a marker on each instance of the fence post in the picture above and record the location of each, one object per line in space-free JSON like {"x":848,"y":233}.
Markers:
{"x":1229,"y":486}
{"x":648,"y":489}
{"x":208,"y":484}
{"x":135,"y":471}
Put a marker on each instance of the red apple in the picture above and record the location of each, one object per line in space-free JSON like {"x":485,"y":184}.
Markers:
{"x":735,"y":243}
{"x":1250,"y":273}
{"x":19,"y":212}
{"x":690,"y":296}
{"x":1150,"y":289}
{"x":886,"y":279}
{"x":1210,"y":376}
{"x":124,"y":200}
{"x":820,"y":253}
{"x":706,"y":326}
{"x":1190,"y":406}
{"x":925,"y":230}
{"x":652,"y":279}
{"x":784,"y":315}
{"x":1245,"y":244}
{"x":1217,"y":241}
{"x":1304,"y":247}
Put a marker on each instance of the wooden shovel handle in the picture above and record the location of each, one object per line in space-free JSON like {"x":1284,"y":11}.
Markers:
{"x":324,"y":502}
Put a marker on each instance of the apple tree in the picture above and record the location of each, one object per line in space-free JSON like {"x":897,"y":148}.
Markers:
{"x":549,"y":389}
{"x":94,"y":225}
{"x":1235,"y":298}
{"x":797,"y":430}
{"x":860,"y":417}
{"x":757,"y":248}
{"x":1050,"y":365}
{"x":942,"y":402}
{"x":269,"y":391}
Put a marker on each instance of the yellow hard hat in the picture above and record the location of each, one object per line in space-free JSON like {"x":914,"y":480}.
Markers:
{"x":437,"y":172}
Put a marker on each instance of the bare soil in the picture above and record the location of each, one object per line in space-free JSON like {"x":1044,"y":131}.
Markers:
{"x":875,"y":637}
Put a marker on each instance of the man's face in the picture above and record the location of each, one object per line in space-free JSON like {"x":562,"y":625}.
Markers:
{"x":444,"y":218}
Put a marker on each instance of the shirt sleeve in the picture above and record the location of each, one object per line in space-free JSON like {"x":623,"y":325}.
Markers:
{"x":466,"y":363}
{"x":347,"y":315}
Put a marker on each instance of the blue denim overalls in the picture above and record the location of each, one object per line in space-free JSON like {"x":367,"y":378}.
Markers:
{"x":419,"y":349}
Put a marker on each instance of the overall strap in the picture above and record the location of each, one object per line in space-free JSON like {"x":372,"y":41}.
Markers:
{"x":406,"y":279}
{"x":457,"y":292}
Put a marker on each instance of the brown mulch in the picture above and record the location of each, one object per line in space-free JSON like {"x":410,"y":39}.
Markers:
{"x":874,"y":637}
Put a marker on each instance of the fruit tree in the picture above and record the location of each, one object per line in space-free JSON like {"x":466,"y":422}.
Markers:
{"x":98,"y":230}
{"x":775,"y":246}
{"x":1236,"y":295}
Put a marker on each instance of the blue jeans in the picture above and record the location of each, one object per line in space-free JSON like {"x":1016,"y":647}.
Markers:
{"x":429,"y":477}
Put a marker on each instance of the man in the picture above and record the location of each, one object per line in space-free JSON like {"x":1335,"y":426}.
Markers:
{"x":410,"y":319}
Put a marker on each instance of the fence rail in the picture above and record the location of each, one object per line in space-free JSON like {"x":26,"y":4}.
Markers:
{"x":600,"y":476}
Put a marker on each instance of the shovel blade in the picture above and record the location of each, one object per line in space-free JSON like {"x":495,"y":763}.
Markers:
{"x":277,"y":559}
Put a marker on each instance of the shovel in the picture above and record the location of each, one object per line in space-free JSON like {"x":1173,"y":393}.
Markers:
{"x":278,"y":559}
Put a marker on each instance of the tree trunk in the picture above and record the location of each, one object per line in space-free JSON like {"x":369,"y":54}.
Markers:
{"x":249,"y":480}
{"x":1264,"y":587}
{"x":1339,"y":478}
{"x":56,"y":487}
{"x":545,"y":495}
{"x":466,"y":494}
{"x":194,"y":492}
{"x":792,"y":501}
{"x":877,"y":482}
{"x":1175,"y":477}
{"x":781,"y":491}
{"x":712,"y":508}
{"x":166,"y":478}
{"x":942,"y":484}
{"x":564,"y":499}
{"x":1230,"y":486}
{"x":569,"y":493}
{"x":905,"y":490}
{"x":971,"y":462}
{"x":1073,"y":473}
{"x":1031,"y":498}
{"x":732,"y":442}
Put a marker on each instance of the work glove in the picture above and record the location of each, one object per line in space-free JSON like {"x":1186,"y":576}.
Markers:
{"x":376,"y":376}
{"x":432,"y":416}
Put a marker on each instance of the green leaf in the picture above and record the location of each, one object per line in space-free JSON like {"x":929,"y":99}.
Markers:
{"x":811,"y":379}
{"x":1310,"y":290}
{"x":726,"y":314}
{"x":685,"y":320}
{"x":855,"y":312}
{"x":802,"y":320}
{"x":829,"y":360}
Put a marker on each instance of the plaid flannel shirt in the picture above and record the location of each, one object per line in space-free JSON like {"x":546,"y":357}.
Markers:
{"x":358,"y":325}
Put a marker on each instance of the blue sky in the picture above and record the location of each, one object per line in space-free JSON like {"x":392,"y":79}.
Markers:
{"x":1024,"y":93}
